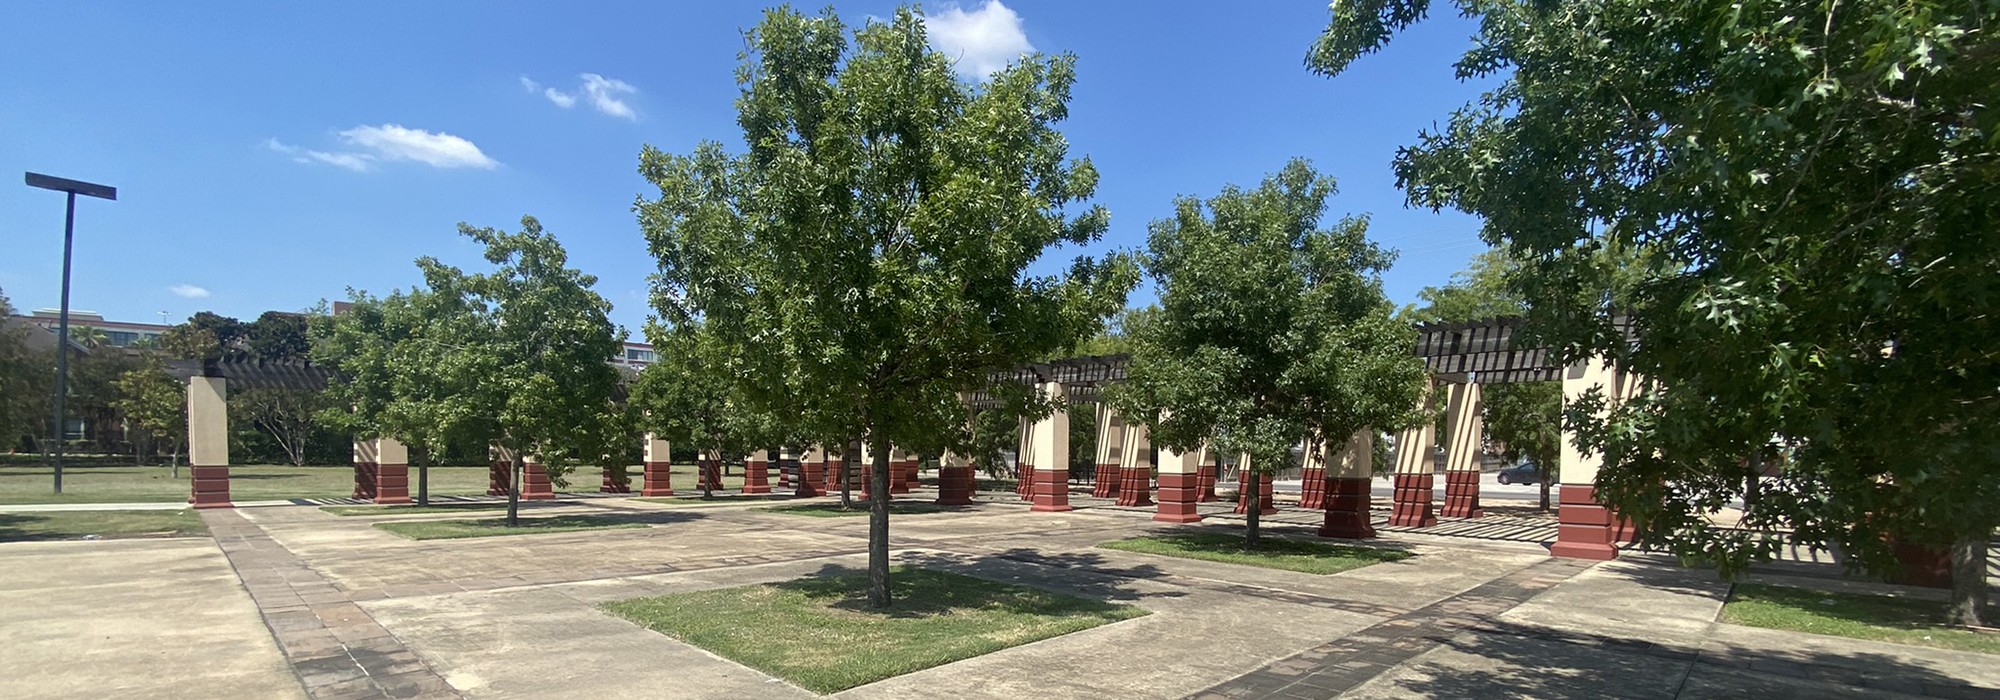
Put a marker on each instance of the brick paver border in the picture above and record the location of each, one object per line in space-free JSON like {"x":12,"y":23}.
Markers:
{"x":338,"y":651}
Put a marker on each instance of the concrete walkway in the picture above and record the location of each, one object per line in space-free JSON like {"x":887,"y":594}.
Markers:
{"x":326,"y":607}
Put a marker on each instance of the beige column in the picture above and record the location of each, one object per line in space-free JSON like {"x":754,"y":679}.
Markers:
{"x":1024,"y":465}
{"x":657,"y":468}
{"x":1110,"y":442}
{"x":757,"y":473}
{"x":208,"y":441}
{"x":1350,"y":485}
{"x":1463,"y":452}
{"x":1180,"y":484}
{"x":1135,"y":468}
{"x":1415,"y":473}
{"x":1583,"y":524}
{"x":812,"y":472}
{"x":1049,"y":447}
{"x":392,"y":471}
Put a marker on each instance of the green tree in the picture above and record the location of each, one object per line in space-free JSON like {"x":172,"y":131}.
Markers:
{"x":871,"y":246}
{"x":205,"y":336}
{"x":519,"y":354}
{"x":1271,"y":330}
{"x":688,"y":396}
{"x":26,"y":377}
{"x":276,"y":336}
{"x":1814,"y":182}
{"x":290,"y":416}
{"x":150,"y":398}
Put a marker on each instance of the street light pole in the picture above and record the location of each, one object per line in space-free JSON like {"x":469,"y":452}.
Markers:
{"x":72,"y":188}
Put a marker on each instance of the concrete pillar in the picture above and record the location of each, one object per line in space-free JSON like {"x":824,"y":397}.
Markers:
{"x":788,"y":464}
{"x":1312,"y":476}
{"x":1050,"y":443}
{"x":1246,"y":479}
{"x":1135,"y":469}
{"x":1211,"y":470}
{"x":392,"y":472}
{"x":812,"y":473}
{"x":1110,"y":443}
{"x":535,"y":483}
{"x":1583,"y":525}
{"x":899,"y":470}
{"x":364,"y":470}
{"x":658,"y":477}
{"x":1350,"y":483}
{"x":1415,"y":476}
{"x":208,"y":442}
{"x":499,"y":470}
{"x":954,"y":480}
{"x":1462,"y":452}
{"x":708,"y":470}
{"x":1180,"y":476}
{"x":1024,"y":468}
{"x":757,"y":473}
{"x":913,"y":465}
{"x":616,"y":480}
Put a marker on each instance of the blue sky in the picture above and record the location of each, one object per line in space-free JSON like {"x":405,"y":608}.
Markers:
{"x":270,"y":155}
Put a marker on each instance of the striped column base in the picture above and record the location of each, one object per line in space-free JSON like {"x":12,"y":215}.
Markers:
{"x":1413,"y":501}
{"x":1347,"y":502}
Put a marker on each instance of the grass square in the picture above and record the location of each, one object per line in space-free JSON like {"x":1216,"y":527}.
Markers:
{"x":105,"y":524}
{"x":818,"y":632}
{"x":1273,"y":553}
{"x":1872,"y":617}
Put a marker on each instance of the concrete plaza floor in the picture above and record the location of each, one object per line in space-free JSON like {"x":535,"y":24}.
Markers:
{"x":287,"y":602}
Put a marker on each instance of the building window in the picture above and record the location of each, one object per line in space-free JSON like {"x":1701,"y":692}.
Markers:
{"x":637,"y":355}
{"x":121,"y":338}
{"x":73,"y":429}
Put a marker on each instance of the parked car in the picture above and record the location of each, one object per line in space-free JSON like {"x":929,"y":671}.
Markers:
{"x":1523,"y":473}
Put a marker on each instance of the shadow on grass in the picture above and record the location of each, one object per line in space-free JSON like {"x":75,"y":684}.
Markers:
{"x":98,"y":524}
{"x":919,"y":590}
{"x":1233,"y":544}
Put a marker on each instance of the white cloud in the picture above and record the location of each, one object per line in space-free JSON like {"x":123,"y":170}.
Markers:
{"x":396,"y":142}
{"x":392,"y":142}
{"x":188,"y":291}
{"x":603,"y":94}
{"x":351,"y":161}
{"x":982,"y":41}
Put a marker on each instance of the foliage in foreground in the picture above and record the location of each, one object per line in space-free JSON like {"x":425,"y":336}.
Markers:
{"x":1810,"y":188}
{"x":1290,"y":555}
{"x":820,"y":634}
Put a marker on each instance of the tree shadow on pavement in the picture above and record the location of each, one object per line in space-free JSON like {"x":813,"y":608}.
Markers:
{"x":1503,"y":660}
{"x":1084,"y":574}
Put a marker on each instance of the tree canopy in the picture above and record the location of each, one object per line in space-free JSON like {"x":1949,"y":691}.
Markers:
{"x":869,"y":249}
{"x":1812,"y":186}
{"x":1271,"y":330}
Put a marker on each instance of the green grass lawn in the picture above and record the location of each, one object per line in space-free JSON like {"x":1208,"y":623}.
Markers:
{"x":1873,"y":617}
{"x":415,"y":509}
{"x":492,"y":527}
{"x":260,"y":482}
{"x":1274,"y":553}
{"x":833,"y":510}
{"x":817,"y":632}
{"x":107,"y":524}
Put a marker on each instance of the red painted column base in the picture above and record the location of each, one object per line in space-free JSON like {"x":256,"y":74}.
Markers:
{"x":392,"y":484}
{"x":658,"y":479}
{"x":1583,"y":526}
{"x":1024,"y":484}
{"x":708,"y":473}
{"x":1135,"y":489}
{"x":902,"y":475}
{"x":1461,"y":495}
{"x":954,"y":486}
{"x":1312,"y":488}
{"x":756,"y":478}
{"x":210,"y":487}
{"x":615,"y":481}
{"x":535,"y":484}
{"x":1106,"y":484}
{"x":1051,"y":491}
{"x":1264,"y":491}
{"x":1919,"y":565}
{"x":497,"y":478}
{"x":1347,"y":502}
{"x":1205,"y":489}
{"x":832,"y":473}
{"x":786,"y":468}
{"x":364,"y":480}
{"x":812,"y":479}
{"x":1413,"y":501}
{"x":1177,"y":498}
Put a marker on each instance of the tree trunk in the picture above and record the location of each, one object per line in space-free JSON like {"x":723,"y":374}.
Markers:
{"x":878,"y":526}
{"x":1543,"y":481}
{"x":424,"y":483}
{"x":1968,"y":579}
{"x":1252,"y":537}
{"x":846,"y":477}
{"x":514,"y":489}
{"x":175,"y":461}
